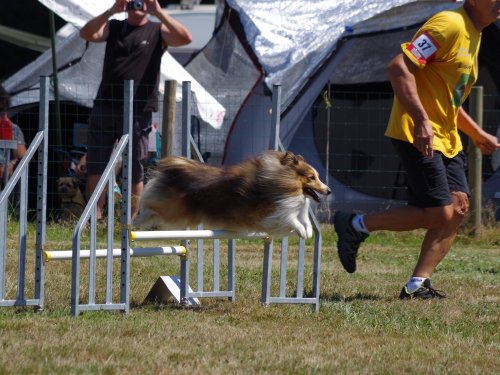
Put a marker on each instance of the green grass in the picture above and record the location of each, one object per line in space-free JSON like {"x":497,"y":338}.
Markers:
{"x":361,"y":328}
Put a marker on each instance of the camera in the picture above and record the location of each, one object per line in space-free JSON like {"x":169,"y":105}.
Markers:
{"x":135,"y":5}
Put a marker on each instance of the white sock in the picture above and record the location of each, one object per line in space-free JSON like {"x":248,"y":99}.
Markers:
{"x":358,"y":223}
{"x":414,"y":283}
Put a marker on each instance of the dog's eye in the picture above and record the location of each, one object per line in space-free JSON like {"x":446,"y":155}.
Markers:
{"x":311,"y":177}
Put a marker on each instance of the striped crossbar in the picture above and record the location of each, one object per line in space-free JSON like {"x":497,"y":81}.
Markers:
{"x":103,"y":253}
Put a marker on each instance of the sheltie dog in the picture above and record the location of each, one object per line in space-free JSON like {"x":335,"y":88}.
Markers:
{"x":268,"y":193}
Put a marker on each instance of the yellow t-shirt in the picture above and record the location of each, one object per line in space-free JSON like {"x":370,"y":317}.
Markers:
{"x":445,"y":49}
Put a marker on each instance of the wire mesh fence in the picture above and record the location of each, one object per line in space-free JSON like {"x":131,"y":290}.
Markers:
{"x":342,"y":133}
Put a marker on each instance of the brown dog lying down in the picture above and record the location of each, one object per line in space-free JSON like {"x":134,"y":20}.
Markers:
{"x":268,"y":193}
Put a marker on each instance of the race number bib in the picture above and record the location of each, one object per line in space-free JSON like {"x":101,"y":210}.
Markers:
{"x":423,"y":48}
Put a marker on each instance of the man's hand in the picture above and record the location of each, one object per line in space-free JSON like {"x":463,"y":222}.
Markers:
{"x":460,"y":202}
{"x":487,"y":143}
{"x":152,"y":7}
{"x":423,"y":136}
{"x":119,"y":6}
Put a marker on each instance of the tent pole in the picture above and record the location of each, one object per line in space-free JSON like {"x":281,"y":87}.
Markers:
{"x":55,"y":81}
{"x":328,"y":121}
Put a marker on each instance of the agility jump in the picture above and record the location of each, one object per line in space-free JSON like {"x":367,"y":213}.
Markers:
{"x":39,"y":146}
{"x":125,"y":252}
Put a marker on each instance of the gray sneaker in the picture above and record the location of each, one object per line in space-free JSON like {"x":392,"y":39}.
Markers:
{"x":348,"y":240}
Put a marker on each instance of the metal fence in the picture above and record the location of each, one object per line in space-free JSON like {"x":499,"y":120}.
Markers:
{"x":345,"y":135}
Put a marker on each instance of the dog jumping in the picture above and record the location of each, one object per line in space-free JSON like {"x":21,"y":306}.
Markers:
{"x":268,"y":193}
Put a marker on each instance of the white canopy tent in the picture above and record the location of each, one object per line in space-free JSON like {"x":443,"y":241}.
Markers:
{"x":80,"y":65}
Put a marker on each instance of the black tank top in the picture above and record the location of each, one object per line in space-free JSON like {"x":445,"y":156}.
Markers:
{"x":132,"y":52}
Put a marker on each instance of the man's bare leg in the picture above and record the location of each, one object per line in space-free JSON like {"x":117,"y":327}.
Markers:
{"x":442,"y":224}
{"x":92,"y":182}
{"x":136,"y":195}
{"x":437,"y":242}
{"x":409,"y":218}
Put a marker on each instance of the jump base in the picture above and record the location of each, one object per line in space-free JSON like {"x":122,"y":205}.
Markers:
{"x":169,"y":286}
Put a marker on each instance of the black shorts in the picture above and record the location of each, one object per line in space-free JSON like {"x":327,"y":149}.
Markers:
{"x":105,"y":127}
{"x":430,"y":181}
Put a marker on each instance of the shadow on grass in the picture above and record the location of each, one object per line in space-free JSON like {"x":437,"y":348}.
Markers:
{"x":173,"y":305}
{"x":355,"y":297}
{"x":224,"y":304}
{"x":342,"y":298}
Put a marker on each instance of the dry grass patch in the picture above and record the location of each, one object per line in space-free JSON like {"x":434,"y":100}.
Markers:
{"x":362,"y":327}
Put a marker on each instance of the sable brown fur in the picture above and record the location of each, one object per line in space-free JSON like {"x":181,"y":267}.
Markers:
{"x":267,"y":193}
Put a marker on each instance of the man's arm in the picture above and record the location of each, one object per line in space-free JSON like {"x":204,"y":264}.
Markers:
{"x":18,"y":135}
{"x":486,"y":142}
{"x":401,"y":73}
{"x":96,"y":29}
{"x":173,"y":32}
{"x":19,"y":151}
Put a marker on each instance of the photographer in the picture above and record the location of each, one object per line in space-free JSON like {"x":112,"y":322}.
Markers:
{"x":133,"y":52}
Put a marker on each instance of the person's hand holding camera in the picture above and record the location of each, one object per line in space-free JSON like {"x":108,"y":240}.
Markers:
{"x":117,"y":7}
{"x":153,"y":7}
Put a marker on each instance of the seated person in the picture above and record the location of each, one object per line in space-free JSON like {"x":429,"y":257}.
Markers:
{"x":11,"y":155}
{"x":81,"y":168}
{"x":16,"y":154}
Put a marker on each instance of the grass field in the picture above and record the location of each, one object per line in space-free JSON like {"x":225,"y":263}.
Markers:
{"x":361,"y":328}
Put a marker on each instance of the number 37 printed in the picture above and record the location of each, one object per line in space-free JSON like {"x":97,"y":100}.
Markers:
{"x":425,"y":45}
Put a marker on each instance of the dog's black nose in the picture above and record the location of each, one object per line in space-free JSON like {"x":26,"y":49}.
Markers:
{"x":329,"y":191}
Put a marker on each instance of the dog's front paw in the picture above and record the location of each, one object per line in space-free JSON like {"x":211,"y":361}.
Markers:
{"x":309,"y":231}
{"x":302,"y":234}
{"x":301,"y":231}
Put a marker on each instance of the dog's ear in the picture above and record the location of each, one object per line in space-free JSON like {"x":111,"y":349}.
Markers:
{"x":289,"y":159}
{"x":76,"y":182}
